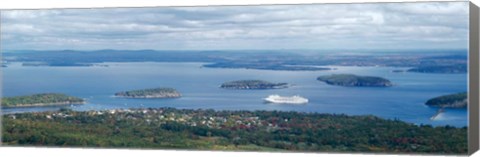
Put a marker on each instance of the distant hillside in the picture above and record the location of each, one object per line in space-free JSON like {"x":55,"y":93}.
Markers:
{"x":285,"y":60}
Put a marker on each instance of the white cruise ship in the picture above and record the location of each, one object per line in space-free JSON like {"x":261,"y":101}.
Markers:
{"x":286,"y":100}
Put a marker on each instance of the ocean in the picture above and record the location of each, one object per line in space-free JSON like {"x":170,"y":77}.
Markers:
{"x":199,"y":87}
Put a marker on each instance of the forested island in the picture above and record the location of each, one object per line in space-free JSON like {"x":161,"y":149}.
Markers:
{"x":150,"y":93}
{"x":458,"y":100}
{"x":170,"y":128}
{"x":253,"y":84}
{"x":450,"y":69}
{"x":44,"y":99}
{"x":355,"y":80}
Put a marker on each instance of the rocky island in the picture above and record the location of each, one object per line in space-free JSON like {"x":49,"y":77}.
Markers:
{"x":44,"y":99}
{"x":354,"y":80}
{"x":458,"y":100}
{"x":150,"y":93}
{"x":253,"y":84}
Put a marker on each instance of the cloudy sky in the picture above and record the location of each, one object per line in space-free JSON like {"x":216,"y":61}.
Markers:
{"x":430,"y":25}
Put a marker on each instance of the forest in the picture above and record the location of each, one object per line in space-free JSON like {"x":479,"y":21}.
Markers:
{"x":169,"y":128}
{"x":40,"y":100}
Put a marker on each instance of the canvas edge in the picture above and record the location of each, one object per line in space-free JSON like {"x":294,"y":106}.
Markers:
{"x":473,"y":67}
{"x":1,"y":82}
{"x":473,"y":80}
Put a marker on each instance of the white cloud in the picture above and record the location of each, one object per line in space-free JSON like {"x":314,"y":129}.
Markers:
{"x":325,"y":26}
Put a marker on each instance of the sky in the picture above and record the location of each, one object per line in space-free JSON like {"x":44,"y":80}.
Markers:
{"x":430,"y":25}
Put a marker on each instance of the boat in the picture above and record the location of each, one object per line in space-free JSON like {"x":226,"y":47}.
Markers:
{"x":277,"y":99}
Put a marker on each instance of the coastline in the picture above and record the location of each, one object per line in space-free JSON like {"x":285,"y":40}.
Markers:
{"x":201,"y":125}
{"x":254,"y":103}
{"x":44,"y":104}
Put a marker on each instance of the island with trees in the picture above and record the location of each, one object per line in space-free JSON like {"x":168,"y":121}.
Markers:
{"x":163,"y":92}
{"x":355,"y":80}
{"x":457,"y":100}
{"x":253,"y":84}
{"x":445,"y":69}
{"x":43,"y":99}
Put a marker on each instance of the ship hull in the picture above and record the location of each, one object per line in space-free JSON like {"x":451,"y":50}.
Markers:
{"x":285,"y":100}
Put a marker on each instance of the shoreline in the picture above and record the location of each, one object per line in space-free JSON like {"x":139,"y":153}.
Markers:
{"x":221,"y":110}
{"x":43,"y":105}
{"x":198,"y":125}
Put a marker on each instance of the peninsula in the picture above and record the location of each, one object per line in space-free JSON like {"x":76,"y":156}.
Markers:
{"x":253,"y":84}
{"x":44,"y":99}
{"x":355,"y":81}
{"x":458,"y":100}
{"x":150,"y":93}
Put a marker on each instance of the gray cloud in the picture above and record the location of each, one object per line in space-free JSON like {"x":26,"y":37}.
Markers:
{"x":325,"y":26}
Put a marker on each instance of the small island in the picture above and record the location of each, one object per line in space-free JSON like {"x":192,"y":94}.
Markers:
{"x":150,"y":93}
{"x":458,"y":100}
{"x":253,"y":84}
{"x":351,"y":80}
{"x":44,"y":99}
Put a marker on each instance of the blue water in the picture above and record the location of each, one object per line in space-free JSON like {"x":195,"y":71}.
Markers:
{"x":200,"y":89}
